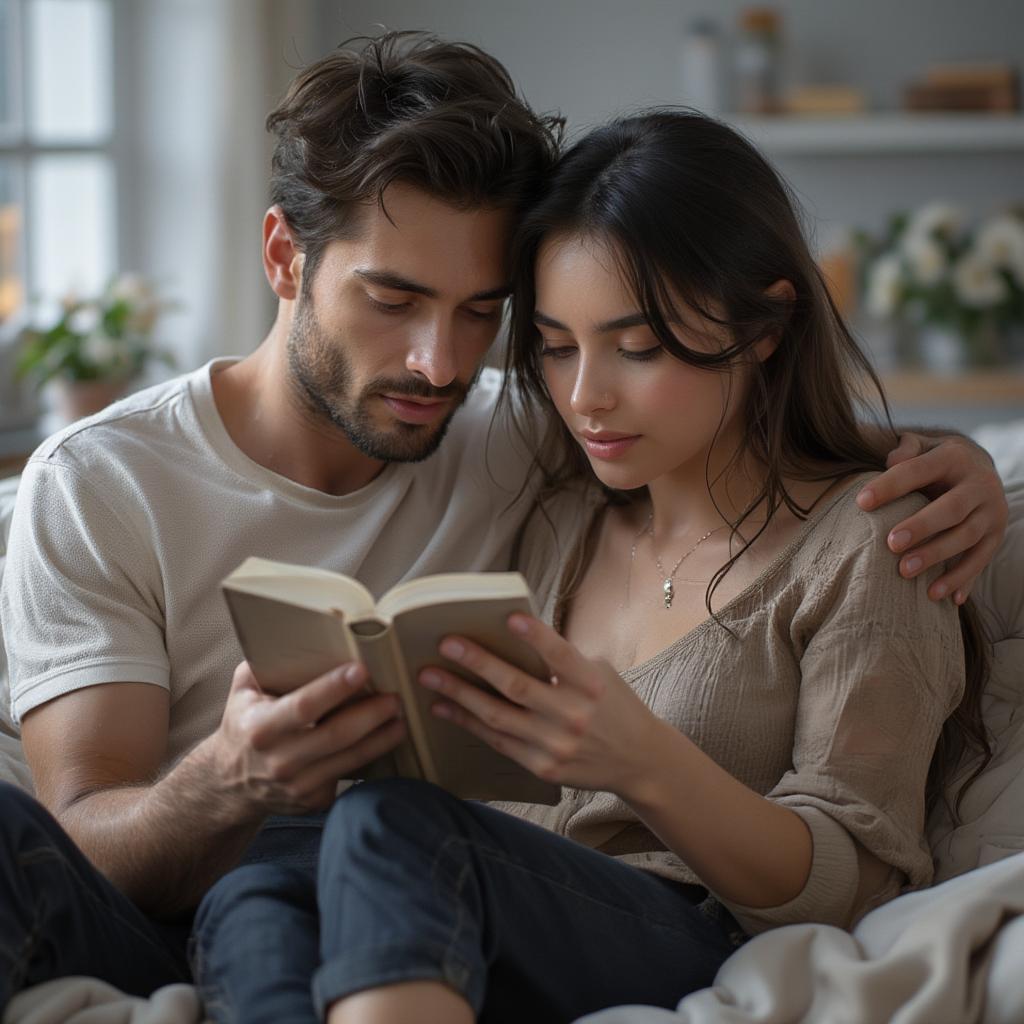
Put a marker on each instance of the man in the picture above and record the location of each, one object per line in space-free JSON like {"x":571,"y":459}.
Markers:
{"x":352,"y":438}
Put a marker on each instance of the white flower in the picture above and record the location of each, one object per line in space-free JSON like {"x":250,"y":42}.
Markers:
{"x":885,"y":286}
{"x":925,"y":257}
{"x":977,"y":282}
{"x":132,"y":289}
{"x":932,"y":219}
{"x":99,"y":350}
{"x":1000,"y":241}
{"x":85,"y":319}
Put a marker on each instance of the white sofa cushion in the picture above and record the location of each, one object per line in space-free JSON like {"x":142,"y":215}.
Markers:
{"x":991,"y":822}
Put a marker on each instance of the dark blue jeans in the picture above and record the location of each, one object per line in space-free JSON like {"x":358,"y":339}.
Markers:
{"x":414,"y":884}
{"x":60,"y":916}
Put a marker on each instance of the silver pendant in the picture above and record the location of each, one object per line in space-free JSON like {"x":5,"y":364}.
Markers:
{"x":669,"y":592}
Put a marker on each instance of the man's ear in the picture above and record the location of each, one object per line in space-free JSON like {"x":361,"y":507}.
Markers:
{"x":282,"y":260}
{"x":784,"y":290}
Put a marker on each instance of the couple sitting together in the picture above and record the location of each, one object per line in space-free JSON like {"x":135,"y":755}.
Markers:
{"x":754,"y":700}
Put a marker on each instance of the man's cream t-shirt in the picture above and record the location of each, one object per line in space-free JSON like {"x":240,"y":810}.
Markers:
{"x":127,"y":522}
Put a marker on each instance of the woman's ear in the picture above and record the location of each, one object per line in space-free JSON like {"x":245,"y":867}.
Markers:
{"x":282,"y":260}
{"x":782,"y":290}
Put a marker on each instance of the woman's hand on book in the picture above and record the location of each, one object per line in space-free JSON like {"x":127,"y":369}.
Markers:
{"x":965,"y":520}
{"x":285,"y":755}
{"x":583,"y":727}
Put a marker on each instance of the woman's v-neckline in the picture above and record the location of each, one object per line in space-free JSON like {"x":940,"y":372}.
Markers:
{"x":755,"y":584}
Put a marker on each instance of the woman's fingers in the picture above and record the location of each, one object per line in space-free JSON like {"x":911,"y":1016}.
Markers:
{"x":499,"y":714}
{"x":512,"y":683}
{"x":531,"y":756}
{"x":564,"y":660}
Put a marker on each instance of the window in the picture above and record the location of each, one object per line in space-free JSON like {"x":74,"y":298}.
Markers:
{"x":58,"y":216}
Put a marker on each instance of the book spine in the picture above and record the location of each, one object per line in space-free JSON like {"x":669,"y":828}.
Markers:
{"x":383,"y":659}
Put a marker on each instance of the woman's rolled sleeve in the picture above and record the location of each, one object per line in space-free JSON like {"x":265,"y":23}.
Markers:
{"x":880,"y":672}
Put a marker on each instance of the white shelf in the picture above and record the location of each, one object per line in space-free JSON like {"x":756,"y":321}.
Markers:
{"x":894,"y":133}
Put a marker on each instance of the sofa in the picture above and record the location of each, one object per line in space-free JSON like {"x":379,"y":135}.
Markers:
{"x":952,"y":953}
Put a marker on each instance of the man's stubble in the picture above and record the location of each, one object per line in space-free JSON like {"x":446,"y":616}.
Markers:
{"x":321,"y":378}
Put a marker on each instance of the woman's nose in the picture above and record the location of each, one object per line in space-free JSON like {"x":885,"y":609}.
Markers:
{"x":590,"y":393}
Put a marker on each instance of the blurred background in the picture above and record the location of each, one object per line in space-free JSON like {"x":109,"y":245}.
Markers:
{"x":133,"y":168}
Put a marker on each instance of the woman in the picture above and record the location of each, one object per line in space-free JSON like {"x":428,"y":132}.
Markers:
{"x":745,"y":700}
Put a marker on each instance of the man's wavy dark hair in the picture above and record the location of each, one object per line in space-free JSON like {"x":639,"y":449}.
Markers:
{"x":404,"y":107}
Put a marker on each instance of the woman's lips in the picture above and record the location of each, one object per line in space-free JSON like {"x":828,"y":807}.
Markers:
{"x":609,"y":447}
{"x":416,"y":410}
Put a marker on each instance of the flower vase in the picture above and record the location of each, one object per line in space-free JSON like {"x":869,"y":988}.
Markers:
{"x":75,"y":399}
{"x":986,"y":347}
{"x":941,"y":350}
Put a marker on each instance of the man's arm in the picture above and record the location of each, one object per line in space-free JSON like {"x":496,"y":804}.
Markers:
{"x":95,"y":756}
{"x":965,"y":519}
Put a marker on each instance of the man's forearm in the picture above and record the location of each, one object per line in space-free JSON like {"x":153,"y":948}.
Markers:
{"x":162,"y":844}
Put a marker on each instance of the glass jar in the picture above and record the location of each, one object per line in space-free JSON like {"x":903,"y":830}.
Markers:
{"x":757,"y":61}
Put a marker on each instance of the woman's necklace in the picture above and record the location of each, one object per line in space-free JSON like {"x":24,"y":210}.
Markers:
{"x":668,"y":586}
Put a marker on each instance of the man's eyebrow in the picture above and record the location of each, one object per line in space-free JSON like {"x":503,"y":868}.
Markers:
{"x":618,"y":324}
{"x":503,"y":291}
{"x":389,"y":279}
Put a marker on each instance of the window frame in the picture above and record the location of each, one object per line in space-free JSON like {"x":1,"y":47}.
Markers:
{"x":21,"y":150}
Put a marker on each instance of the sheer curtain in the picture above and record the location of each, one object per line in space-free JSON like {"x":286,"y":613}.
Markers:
{"x":197,"y":80}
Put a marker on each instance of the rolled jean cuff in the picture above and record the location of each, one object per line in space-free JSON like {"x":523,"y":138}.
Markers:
{"x":375,"y":966}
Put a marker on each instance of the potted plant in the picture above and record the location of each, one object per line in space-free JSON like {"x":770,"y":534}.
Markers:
{"x":958,"y":287}
{"x":97,"y":347}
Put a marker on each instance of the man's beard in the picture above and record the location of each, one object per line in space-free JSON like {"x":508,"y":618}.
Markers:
{"x":321,"y":377}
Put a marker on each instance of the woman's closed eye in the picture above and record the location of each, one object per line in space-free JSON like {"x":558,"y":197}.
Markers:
{"x":641,"y":355}
{"x":553,"y":351}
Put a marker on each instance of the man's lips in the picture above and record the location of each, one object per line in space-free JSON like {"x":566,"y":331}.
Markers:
{"x":416,"y":410}
{"x":604,"y":444}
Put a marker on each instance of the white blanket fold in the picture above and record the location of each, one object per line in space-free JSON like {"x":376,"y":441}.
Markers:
{"x":89,"y":1001}
{"x":953,"y":954}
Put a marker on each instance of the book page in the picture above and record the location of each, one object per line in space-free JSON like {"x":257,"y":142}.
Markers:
{"x":445,"y":588}
{"x":316,"y":589}
{"x":465,"y":765}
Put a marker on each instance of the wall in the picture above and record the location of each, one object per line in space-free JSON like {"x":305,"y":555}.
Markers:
{"x":596,"y":58}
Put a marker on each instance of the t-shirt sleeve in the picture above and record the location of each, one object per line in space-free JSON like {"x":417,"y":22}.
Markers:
{"x":81,"y":598}
{"x":882,"y":668}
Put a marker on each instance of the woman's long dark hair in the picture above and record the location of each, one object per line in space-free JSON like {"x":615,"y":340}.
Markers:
{"x":694,"y":214}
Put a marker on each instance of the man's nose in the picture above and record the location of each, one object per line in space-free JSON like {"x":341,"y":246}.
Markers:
{"x":433,"y":355}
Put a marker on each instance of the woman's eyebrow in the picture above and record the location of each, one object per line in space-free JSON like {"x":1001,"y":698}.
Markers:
{"x":618,"y":324}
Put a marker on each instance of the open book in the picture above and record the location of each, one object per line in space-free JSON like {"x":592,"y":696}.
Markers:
{"x":295,"y":623}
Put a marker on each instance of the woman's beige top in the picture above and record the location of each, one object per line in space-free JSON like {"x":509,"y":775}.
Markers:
{"x":829,"y":701}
